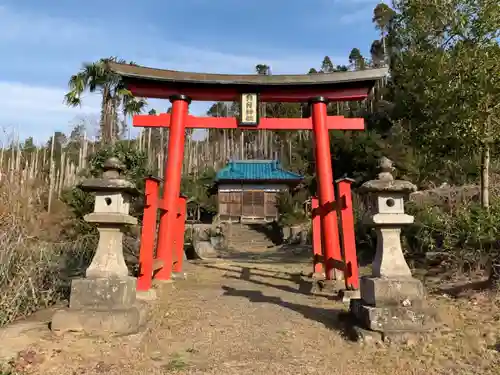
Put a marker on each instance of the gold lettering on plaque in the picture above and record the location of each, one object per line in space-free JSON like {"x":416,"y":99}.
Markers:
{"x":249,"y":109}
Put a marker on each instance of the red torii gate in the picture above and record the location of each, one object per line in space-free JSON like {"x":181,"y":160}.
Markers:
{"x":317,"y":89}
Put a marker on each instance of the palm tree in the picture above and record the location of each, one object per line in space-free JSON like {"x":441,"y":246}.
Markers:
{"x":263,"y":69}
{"x":96,"y":77}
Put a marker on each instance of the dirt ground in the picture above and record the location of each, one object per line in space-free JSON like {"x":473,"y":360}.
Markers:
{"x":252,"y":316}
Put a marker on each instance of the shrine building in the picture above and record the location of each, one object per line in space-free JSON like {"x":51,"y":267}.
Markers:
{"x":248,"y":189}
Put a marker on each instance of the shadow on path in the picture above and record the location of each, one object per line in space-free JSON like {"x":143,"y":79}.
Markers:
{"x":246,"y":272}
{"x":335,"y":319}
{"x":304,"y":287}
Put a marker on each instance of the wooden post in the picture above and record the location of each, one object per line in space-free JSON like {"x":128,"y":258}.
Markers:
{"x":326,"y":194}
{"x":316,"y":236}
{"x":171,"y":190}
{"x":146,"y":253}
{"x":179,"y":234}
{"x":348,"y":238}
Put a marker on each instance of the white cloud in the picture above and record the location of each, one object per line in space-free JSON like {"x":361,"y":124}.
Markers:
{"x":19,"y":96}
{"x":346,"y":12}
{"x":57,"y":47}
{"x":30,"y":28}
{"x":361,"y":15}
{"x":354,"y":2}
{"x":39,"y":111}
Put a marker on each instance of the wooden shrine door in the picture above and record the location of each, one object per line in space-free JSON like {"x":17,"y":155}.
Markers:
{"x":253,"y":204}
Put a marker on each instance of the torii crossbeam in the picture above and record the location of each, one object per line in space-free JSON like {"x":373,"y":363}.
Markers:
{"x":317,"y":89}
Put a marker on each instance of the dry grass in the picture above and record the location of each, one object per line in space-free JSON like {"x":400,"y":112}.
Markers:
{"x":32,"y":259}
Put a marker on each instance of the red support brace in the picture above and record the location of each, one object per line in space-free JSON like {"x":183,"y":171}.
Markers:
{"x":194,"y":122}
{"x":347,"y":233}
{"x":172,"y":188}
{"x":324,"y":176}
{"x":316,"y":236}
{"x":146,"y":252}
{"x":179,"y":234}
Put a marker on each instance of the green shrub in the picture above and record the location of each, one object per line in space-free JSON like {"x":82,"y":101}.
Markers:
{"x":291,"y":207}
{"x":465,"y":232}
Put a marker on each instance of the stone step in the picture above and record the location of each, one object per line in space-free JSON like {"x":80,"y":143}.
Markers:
{"x":249,"y":245}
{"x":252,"y":242}
{"x":250,"y":239}
{"x":251,"y":250}
{"x":248,"y":235}
{"x":246,"y":239}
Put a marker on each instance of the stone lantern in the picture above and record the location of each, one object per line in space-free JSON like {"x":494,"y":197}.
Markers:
{"x":111,"y":215}
{"x":386,"y":214}
{"x":391,"y":299}
{"x":104,"y":302}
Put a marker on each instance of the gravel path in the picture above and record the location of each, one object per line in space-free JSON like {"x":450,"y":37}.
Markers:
{"x":252,"y":317}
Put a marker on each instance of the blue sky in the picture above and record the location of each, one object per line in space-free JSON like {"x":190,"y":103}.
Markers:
{"x":43,"y":42}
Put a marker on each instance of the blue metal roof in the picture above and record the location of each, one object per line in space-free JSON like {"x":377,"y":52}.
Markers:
{"x":254,"y":170}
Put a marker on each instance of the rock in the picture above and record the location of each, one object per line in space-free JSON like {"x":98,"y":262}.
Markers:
{"x":201,"y":234}
{"x":204,"y":250}
{"x":218,"y":242}
{"x":304,"y":237}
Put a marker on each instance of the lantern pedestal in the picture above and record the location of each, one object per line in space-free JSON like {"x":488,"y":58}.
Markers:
{"x":391,"y":301}
{"x":101,"y":307}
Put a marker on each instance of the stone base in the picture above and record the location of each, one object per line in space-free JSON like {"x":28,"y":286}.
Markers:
{"x":146,"y":295}
{"x":394,"y":319}
{"x":332,"y":287}
{"x":316,"y":275}
{"x":347,"y":295}
{"x":366,"y":336}
{"x":179,"y":276}
{"x":160,"y":283}
{"x":377,"y":291}
{"x":103,"y":293}
{"x":103,"y":323}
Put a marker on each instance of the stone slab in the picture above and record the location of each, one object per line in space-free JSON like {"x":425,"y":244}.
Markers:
{"x":102,"y":323}
{"x":394,"y":318}
{"x":103,"y":293}
{"x":379,"y":291}
{"x":204,"y":250}
{"x":110,"y":218}
{"x":332,"y":287}
{"x":366,"y":336}
{"x":179,"y":276}
{"x":347,"y":295}
{"x":146,"y":295}
{"x":160,"y":283}
{"x":316,"y":275}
